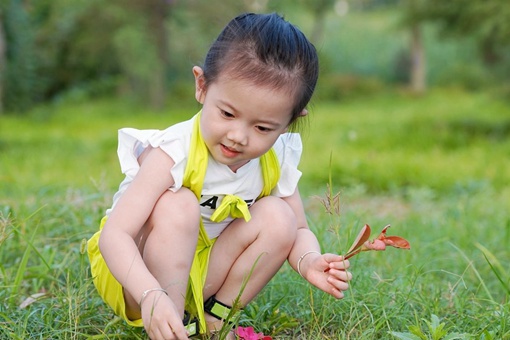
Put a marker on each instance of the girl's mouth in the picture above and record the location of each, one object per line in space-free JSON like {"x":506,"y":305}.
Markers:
{"x":228,"y":152}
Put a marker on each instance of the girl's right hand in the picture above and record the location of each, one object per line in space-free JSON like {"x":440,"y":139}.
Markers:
{"x":161,"y":319}
{"x":328,"y":272}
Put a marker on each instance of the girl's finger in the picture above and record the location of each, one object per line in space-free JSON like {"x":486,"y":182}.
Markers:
{"x":338,"y":284}
{"x":337,"y":293}
{"x":343,"y":264}
{"x":341,"y":275}
{"x":167,"y":332}
{"x":180,"y":333}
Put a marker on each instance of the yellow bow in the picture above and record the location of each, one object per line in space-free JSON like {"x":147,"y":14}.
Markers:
{"x":231,"y":205}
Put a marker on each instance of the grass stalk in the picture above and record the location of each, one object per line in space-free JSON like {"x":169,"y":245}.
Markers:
{"x":475,"y":271}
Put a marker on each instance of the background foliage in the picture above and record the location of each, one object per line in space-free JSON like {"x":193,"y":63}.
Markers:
{"x":145,"y":49}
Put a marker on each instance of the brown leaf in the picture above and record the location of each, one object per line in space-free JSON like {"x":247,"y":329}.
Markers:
{"x":362,"y":237}
{"x":31,"y":299}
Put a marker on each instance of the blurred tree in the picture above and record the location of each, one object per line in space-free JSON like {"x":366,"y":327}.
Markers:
{"x":18,"y":74}
{"x":418,"y":80}
{"x":211,"y":16}
{"x":256,"y":6}
{"x":84,"y":47}
{"x":89,"y":47}
{"x":2,"y":59}
{"x":488,"y":21}
{"x":318,"y":9}
{"x":411,"y":11}
{"x":52,"y":46}
{"x":73,"y":45}
{"x":197,"y":23}
{"x":142,"y":43}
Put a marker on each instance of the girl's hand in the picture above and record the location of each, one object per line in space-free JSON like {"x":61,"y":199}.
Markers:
{"x":327,"y":272}
{"x":161,"y":318}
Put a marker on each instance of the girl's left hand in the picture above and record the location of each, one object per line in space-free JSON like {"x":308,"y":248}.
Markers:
{"x":328,"y":272}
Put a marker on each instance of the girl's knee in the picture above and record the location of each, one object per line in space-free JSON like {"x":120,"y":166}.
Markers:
{"x":279,"y":218}
{"x":178,"y":208}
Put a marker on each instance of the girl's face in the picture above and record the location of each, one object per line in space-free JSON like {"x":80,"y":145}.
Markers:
{"x":240,"y":121}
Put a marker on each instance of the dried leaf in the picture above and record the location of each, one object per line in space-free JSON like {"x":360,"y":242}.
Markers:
{"x":393,"y":241}
{"x":362,"y":237}
{"x":397,"y":242}
{"x":31,"y":299}
{"x":363,"y":244}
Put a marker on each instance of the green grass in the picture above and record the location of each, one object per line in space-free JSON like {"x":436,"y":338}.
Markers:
{"x":445,"y":139}
{"x":436,"y":167}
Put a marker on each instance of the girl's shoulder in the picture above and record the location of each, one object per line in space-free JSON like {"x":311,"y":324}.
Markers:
{"x":181,"y":128}
{"x":174,"y":141}
{"x":288,"y":148}
{"x":287,"y":144}
{"x":156,"y":138}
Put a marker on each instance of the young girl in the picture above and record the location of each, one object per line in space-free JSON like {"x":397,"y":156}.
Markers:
{"x":207,"y":200}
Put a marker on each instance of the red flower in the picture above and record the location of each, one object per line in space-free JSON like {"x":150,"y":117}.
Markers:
{"x":248,"y":333}
{"x":362,"y":242}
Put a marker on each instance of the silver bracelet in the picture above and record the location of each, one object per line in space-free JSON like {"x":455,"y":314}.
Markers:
{"x":145,"y":293}
{"x":302,"y":257}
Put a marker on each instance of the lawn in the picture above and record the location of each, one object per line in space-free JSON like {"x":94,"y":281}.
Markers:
{"x":435,"y":167}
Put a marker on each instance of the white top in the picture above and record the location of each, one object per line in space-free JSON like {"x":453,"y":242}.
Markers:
{"x":247,"y":182}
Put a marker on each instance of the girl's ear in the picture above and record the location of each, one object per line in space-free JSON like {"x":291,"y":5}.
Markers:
{"x":303,"y":113}
{"x":199,"y":84}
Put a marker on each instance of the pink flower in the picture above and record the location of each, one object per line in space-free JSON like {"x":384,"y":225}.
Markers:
{"x":248,"y":333}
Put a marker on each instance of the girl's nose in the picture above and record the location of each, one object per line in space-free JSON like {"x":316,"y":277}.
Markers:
{"x":238,"y":136}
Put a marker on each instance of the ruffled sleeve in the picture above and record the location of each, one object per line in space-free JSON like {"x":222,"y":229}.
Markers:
{"x":288,"y":148}
{"x":132,"y":142}
{"x":176,"y":145}
{"x":174,"y":141}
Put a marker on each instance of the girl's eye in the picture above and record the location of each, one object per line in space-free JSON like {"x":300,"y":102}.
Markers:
{"x":263,"y":128}
{"x":227,"y":114}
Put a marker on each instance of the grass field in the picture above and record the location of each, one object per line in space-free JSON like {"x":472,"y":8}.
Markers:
{"x":436,"y":168}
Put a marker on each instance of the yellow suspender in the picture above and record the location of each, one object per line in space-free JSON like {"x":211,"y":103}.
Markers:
{"x":230,"y":205}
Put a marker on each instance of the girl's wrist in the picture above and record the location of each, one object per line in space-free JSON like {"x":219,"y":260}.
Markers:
{"x":149,"y":291}
{"x":302,"y":258}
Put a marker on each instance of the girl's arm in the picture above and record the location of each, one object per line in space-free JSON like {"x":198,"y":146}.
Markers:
{"x":117,"y":241}
{"x":327,"y":272}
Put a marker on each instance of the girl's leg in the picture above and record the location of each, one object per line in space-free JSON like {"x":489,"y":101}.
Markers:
{"x":268,"y":237}
{"x":167,"y":243}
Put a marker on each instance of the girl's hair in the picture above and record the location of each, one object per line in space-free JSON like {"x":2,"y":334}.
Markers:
{"x":266,"y":50}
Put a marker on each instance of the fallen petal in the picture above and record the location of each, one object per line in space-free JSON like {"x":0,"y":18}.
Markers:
{"x":244,"y":331}
{"x":248,"y":333}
